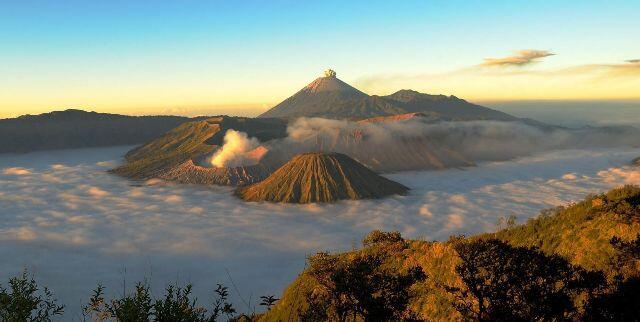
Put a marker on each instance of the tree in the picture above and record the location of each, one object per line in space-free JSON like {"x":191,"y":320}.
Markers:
{"x":132,"y":307}
{"x":177,"y":305}
{"x":268,"y":301}
{"x":25,"y":301}
{"x":505,"y":283}
{"x":620,"y":303}
{"x":629,"y":251}
{"x":362,"y":284}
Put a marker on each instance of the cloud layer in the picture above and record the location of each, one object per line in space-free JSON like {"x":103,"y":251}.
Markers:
{"x":67,"y":219}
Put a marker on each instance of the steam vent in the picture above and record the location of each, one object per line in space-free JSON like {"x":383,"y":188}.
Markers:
{"x":329,"y":73}
{"x":321,"y":177}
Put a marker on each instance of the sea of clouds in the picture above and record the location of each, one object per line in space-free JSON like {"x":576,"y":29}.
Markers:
{"x":63,"y":217}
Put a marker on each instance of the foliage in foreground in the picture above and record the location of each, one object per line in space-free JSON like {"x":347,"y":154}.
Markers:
{"x":506,"y":283}
{"x":24,"y":300}
{"x":360,"y":285}
{"x":176,"y":305}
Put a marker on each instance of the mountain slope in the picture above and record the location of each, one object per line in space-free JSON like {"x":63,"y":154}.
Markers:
{"x":329,"y":97}
{"x":441,"y":107}
{"x":321,"y":177}
{"x":79,"y":129}
{"x":580,"y":233}
{"x":172,"y":155}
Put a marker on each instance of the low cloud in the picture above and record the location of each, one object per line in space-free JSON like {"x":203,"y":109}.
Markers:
{"x":58,"y":229}
{"x":521,"y":58}
{"x":16,"y":171}
{"x":397,"y":146}
{"x":97,"y":192}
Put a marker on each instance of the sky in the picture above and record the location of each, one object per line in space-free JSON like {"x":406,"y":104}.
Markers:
{"x":242,"y":57}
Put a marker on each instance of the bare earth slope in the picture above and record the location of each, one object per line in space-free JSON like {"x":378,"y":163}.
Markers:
{"x":321,"y":177}
{"x":171,"y":156}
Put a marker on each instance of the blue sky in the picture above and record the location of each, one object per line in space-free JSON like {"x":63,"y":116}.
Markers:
{"x":147,"y":54}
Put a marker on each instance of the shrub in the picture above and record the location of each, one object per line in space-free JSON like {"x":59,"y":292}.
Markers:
{"x":26,"y":301}
{"x":505,"y":283}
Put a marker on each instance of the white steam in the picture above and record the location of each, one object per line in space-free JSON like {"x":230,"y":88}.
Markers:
{"x":417,"y":144}
{"x":238,"y":150}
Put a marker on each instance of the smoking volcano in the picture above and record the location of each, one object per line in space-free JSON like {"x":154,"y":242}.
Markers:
{"x":212,"y":151}
{"x":331,"y":98}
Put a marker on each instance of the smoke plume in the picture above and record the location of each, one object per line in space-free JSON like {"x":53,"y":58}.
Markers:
{"x":417,"y":144}
{"x":238,"y":150}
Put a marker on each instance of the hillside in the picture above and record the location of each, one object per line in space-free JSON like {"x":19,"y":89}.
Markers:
{"x":581,"y":232}
{"x":330,"y":97}
{"x":575,"y":243}
{"x":172,"y":155}
{"x":79,"y":129}
{"x":321,"y":177}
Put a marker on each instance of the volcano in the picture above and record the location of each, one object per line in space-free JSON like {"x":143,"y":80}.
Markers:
{"x":321,"y":177}
{"x":179,"y":154}
{"x":330,"y":97}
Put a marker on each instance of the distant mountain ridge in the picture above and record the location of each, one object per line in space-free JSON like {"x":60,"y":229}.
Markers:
{"x":74,"y":128}
{"x":330,"y":97}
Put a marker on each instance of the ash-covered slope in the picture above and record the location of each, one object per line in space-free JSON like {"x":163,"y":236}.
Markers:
{"x":329,"y":97}
{"x":171,"y":156}
{"x":321,"y":177}
{"x":190,"y":173}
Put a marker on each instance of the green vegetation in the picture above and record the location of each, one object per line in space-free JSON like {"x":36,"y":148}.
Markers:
{"x":363,"y":284}
{"x":581,"y":232}
{"x":177,"y":305}
{"x":505,"y":283}
{"x":24,"y":300}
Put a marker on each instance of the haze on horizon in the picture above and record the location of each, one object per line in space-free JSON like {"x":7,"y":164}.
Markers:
{"x":165,"y":57}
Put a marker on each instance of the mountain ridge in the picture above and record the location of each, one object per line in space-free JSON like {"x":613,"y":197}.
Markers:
{"x":330,"y":97}
{"x":73,"y":128}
